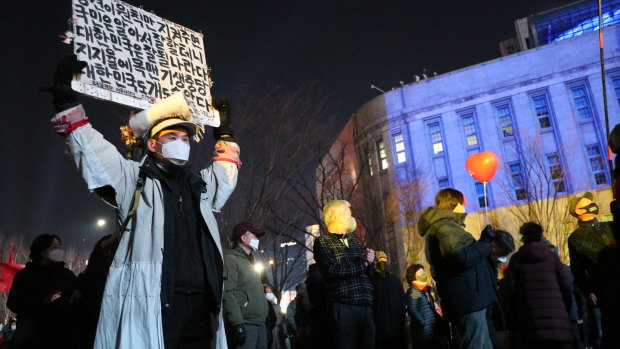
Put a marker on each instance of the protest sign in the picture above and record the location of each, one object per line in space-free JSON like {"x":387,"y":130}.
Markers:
{"x":136,"y":58}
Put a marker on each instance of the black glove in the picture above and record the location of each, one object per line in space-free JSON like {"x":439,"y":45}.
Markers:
{"x":64,"y":96}
{"x":239,"y":335}
{"x":223,"y":106}
{"x":487,"y":234}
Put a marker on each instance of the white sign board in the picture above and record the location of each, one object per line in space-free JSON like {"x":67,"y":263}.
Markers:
{"x":136,"y":58}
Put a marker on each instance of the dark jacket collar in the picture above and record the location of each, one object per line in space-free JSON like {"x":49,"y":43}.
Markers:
{"x":589,"y":224}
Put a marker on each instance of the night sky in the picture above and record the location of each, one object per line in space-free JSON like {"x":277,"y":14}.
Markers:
{"x":343,"y":46}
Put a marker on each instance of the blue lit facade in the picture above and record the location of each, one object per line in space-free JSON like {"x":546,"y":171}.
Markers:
{"x":572,"y":20}
{"x":548,"y":98}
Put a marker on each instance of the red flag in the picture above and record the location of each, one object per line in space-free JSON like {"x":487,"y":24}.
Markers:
{"x":7,"y":272}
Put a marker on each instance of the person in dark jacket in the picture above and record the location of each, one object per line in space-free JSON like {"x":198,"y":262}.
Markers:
{"x":317,"y":315}
{"x":577,"y":311}
{"x":594,"y":262}
{"x":389,"y":307}
{"x":537,"y":294}
{"x":41,"y":298}
{"x":459,"y":265}
{"x":347,"y":267}
{"x":245,"y":305}
{"x":425,"y":321}
{"x":90,"y":285}
{"x":502,"y":245}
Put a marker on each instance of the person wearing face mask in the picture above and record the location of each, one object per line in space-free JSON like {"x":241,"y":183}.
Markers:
{"x":347,"y":267}
{"x":164,"y":286}
{"x":41,"y":298}
{"x":594,"y":263}
{"x":459,"y":266}
{"x":389,"y":307}
{"x":274,"y":320}
{"x":424,"y":321}
{"x":502,"y":245}
{"x":245,"y":303}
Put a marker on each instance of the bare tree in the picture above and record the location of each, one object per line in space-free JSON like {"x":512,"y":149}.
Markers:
{"x":283,"y":132}
{"x":405,"y":202}
{"x":536,"y":189}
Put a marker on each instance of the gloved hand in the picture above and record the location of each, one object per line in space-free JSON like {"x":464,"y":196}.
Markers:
{"x":487,"y":234}
{"x":239,"y":335}
{"x":64,"y":96}
{"x":224,"y":132}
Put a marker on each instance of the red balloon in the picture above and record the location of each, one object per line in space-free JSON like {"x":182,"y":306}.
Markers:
{"x":482,"y":166}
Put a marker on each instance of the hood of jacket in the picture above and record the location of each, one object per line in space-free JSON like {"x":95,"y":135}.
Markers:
{"x":432,"y":215}
{"x":534,"y":252}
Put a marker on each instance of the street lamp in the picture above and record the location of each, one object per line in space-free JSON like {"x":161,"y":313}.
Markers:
{"x":259,"y":267}
{"x":101,"y":222}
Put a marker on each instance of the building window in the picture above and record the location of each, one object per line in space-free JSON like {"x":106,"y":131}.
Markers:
{"x":542,"y":111}
{"x":369,"y":163}
{"x":597,"y":164}
{"x":516,"y":173}
{"x":616,"y":82}
{"x":556,"y":172}
{"x":582,"y":104}
{"x":469,"y":128}
{"x":505,"y":119}
{"x":434,"y":132}
{"x":382,"y":155}
{"x":482,"y":203}
{"x":399,"y":146}
{"x":443,"y":183}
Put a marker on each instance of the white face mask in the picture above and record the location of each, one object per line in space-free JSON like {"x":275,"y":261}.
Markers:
{"x":270,"y":297}
{"x":176,"y":151}
{"x":56,"y":255}
{"x":502,"y":259}
{"x":254,"y":244}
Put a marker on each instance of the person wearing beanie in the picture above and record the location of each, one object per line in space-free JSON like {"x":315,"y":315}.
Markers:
{"x":594,"y":263}
{"x":390,"y":305}
{"x":425,"y":321}
{"x":347,"y":267}
{"x":164,"y":286}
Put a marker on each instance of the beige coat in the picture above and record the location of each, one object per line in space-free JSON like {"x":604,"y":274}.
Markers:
{"x":131,"y":315}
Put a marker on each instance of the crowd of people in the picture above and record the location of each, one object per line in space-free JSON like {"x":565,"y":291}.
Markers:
{"x":164,"y":280}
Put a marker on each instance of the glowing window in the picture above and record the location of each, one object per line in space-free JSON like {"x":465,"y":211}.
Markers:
{"x":505,"y":119}
{"x":399,"y":146}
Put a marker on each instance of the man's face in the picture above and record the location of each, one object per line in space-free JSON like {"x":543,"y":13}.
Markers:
{"x":170,"y":134}
{"x":246,"y":238}
{"x":581,"y":212}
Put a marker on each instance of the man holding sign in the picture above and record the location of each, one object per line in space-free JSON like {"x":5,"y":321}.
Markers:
{"x":164,"y":287}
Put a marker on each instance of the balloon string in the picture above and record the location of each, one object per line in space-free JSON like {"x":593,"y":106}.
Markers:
{"x":486,"y":204}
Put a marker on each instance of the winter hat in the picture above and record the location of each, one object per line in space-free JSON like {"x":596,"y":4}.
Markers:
{"x":244,"y":227}
{"x":173,"y":110}
{"x":575,"y":201}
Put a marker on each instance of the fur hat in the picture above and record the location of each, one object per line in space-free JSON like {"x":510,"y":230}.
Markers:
{"x":574,"y":201}
{"x":173,"y":110}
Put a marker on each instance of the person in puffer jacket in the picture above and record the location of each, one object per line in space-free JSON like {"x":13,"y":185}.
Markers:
{"x":425,"y":321}
{"x":537,"y":294}
{"x":459,"y":265}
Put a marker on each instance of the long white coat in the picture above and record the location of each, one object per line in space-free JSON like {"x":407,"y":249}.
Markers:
{"x":131,"y":315}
